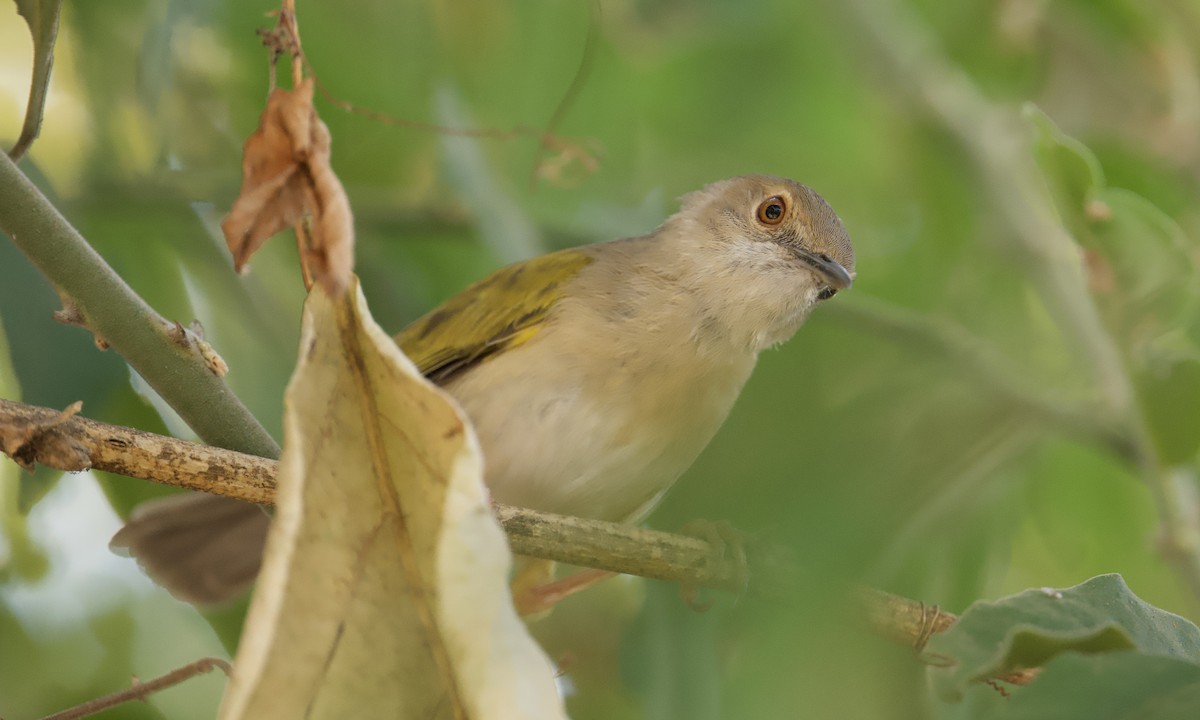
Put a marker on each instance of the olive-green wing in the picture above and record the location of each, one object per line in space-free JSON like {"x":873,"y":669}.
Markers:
{"x":502,"y":311}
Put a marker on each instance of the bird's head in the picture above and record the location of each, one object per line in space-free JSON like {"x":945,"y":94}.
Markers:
{"x":763,"y":251}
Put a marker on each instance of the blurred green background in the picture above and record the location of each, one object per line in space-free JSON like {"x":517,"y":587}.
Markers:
{"x":995,"y":405}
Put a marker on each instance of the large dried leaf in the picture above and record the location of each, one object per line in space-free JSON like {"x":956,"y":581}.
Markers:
{"x":384,"y":589}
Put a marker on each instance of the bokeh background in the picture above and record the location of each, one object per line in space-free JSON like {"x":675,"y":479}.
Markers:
{"x":1009,"y":397}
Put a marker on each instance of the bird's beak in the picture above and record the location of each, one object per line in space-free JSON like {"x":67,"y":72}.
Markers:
{"x":829,"y":269}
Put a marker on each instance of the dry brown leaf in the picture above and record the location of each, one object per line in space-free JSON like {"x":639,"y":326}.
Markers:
{"x":286,"y":176}
{"x":384,"y":586}
{"x":331,"y":249}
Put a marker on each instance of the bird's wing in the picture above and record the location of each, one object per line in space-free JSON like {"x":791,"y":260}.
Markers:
{"x":502,"y":311}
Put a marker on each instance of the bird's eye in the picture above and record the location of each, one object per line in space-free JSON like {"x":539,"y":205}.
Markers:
{"x":826,"y":293}
{"x":772,"y":210}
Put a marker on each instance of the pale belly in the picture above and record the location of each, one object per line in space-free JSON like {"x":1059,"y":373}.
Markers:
{"x":608,"y":448}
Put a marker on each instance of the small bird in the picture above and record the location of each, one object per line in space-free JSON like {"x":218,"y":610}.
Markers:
{"x":593,"y":376}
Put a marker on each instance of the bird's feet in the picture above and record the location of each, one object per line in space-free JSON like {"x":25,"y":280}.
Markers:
{"x":728,"y":544}
{"x":536,"y":592}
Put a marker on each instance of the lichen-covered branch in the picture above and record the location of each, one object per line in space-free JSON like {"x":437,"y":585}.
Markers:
{"x":30,"y":435}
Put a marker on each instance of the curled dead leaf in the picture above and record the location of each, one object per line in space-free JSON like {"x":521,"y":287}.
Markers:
{"x":286,"y":176}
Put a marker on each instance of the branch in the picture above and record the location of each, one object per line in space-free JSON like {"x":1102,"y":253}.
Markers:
{"x":912,"y":623}
{"x":142,"y":690}
{"x":30,"y":434}
{"x":95,"y":296}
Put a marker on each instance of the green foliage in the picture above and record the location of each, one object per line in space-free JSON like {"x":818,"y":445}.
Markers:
{"x":1143,"y":271}
{"x":1030,"y":629}
{"x":1115,"y":685}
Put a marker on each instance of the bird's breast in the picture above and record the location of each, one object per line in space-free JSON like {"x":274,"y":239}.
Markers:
{"x":597,"y":418}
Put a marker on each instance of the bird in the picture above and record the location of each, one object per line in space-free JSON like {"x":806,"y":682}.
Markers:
{"x":593,"y":376}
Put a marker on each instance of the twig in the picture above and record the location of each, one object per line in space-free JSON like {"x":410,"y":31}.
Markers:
{"x":548,"y":139}
{"x":901,"y":619}
{"x":912,"y":623}
{"x":141,"y":690}
{"x":285,"y":35}
{"x":114,"y":312}
{"x":133,"y":453}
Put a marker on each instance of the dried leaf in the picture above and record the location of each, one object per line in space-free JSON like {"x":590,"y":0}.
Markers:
{"x":384,"y":586}
{"x":286,"y":176}
{"x":331,"y":252}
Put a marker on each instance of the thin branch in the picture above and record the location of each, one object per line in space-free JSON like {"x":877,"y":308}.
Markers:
{"x":142,"y":690}
{"x":28,"y":436}
{"x":912,"y":623}
{"x":118,"y":316}
{"x":582,"y":72}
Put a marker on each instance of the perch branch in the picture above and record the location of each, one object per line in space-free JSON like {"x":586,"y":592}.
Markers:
{"x":30,"y":434}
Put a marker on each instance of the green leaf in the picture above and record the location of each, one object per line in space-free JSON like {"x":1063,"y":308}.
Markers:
{"x":1122,"y":685}
{"x":1071,"y":169}
{"x":42,"y":18}
{"x":1151,"y":273}
{"x":1140,"y":262}
{"x":1030,"y":628}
